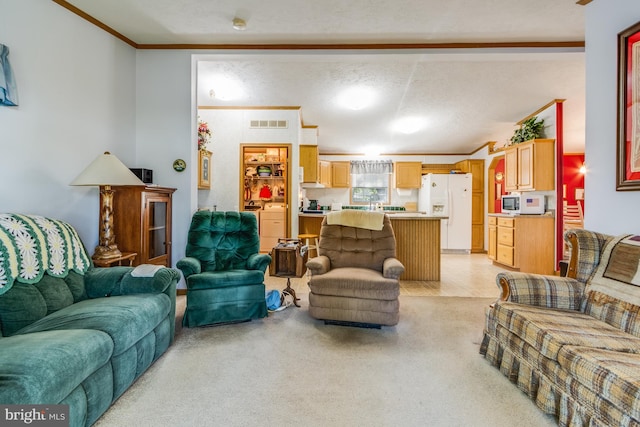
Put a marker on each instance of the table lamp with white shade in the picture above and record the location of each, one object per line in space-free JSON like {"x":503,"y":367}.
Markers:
{"x":105,"y":171}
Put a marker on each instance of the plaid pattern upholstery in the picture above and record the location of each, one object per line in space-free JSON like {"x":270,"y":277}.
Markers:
{"x":613,"y":375}
{"x":574,"y":351}
{"x":590,"y":246}
{"x":544,"y":291}
{"x":620,"y":314}
{"x":554,"y":390}
{"x":549,"y":330}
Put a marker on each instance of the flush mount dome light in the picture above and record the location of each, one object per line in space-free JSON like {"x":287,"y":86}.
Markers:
{"x":225,"y":89}
{"x":408,"y":125}
{"x":356,"y":98}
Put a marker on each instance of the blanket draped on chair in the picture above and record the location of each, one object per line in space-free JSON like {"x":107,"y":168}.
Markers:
{"x":355,"y":218}
{"x":618,"y":274}
{"x":32,"y":245}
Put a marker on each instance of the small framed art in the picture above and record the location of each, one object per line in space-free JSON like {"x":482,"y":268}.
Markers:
{"x":204,"y":169}
{"x":628,"y":150}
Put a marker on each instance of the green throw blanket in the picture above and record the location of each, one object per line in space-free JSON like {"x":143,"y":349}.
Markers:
{"x":32,"y":245}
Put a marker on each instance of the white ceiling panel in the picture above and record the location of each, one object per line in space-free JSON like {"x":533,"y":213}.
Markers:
{"x":466,"y":97}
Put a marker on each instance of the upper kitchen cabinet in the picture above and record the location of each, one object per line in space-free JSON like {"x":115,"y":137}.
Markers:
{"x":476,"y":169}
{"x":340,"y":174}
{"x":529,"y":166}
{"x":309,"y":163}
{"x":408,"y":174}
{"x":324,"y":171}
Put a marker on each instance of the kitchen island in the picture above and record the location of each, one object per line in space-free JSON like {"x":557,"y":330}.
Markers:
{"x":417,"y":241}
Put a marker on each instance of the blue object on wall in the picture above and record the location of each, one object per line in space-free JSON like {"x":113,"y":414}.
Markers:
{"x":8,"y":88}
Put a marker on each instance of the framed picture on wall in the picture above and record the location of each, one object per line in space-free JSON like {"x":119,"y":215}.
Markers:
{"x":628,"y":149}
{"x":204,"y":169}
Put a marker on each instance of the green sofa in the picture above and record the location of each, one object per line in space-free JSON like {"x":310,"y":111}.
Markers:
{"x":71,"y":333}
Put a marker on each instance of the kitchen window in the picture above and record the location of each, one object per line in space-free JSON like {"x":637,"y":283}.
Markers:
{"x":371,"y":181}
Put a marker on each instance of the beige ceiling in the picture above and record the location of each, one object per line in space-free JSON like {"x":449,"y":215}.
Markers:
{"x":471,"y":70}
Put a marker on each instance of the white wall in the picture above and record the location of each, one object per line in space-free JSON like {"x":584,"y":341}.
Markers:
{"x":166,"y":131}
{"x":606,"y":210}
{"x":76,"y":86}
{"x":230,"y":128}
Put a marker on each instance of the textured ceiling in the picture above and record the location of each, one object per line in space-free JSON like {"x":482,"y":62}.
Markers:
{"x":466,"y":96}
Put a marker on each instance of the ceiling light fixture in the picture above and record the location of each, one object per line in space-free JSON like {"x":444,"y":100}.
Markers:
{"x":225,"y":88}
{"x":408,"y":125}
{"x":239,"y":24}
{"x":356,"y":98}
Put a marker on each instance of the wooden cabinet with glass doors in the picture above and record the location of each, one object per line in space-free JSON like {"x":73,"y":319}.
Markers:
{"x":142,"y":222}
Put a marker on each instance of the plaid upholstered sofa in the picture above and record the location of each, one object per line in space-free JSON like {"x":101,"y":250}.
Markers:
{"x":573,"y":343}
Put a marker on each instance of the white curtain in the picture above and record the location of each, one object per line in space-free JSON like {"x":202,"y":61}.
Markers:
{"x":371,"y":166}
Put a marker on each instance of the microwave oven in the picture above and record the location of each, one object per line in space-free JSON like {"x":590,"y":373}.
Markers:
{"x":523,"y":204}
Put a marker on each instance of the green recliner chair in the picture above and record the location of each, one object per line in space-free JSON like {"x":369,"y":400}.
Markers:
{"x":223,"y":269}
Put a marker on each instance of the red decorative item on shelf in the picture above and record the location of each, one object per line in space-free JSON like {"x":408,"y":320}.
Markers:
{"x":265,"y":193}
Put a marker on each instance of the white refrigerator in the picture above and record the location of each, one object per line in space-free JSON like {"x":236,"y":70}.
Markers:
{"x":449,"y":195}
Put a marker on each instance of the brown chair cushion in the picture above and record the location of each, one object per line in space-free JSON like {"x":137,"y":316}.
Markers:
{"x":355,"y":283}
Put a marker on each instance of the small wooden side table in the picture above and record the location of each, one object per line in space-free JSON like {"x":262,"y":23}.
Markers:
{"x":287,"y":261}
{"x":126,"y":256}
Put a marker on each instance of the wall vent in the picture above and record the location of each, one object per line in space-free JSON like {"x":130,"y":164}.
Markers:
{"x":268,"y":124}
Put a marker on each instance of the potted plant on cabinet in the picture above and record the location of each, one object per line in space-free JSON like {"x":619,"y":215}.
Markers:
{"x":529,"y":129}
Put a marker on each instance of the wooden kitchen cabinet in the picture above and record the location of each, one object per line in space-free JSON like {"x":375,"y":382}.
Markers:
{"x":476,"y":168}
{"x":340,"y":174}
{"x":324,"y":169}
{"x":526,"y":243}
{"x":493,"y":238}
{"x":408,"y":174}
{"x":309,"y":162}
{"x":142,"y":222}
{"x":530,"y":166}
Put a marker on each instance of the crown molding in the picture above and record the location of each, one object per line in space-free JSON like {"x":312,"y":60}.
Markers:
{"x":319,"y":46}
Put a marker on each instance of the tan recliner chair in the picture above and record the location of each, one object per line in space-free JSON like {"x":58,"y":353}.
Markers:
{"x":355,"y":277}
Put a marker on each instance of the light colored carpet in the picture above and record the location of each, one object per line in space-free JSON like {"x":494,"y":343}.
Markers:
{"x":290,"y":370}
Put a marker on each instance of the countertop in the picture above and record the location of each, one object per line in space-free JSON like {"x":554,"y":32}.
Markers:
{"x":392,"y":215}
{"x":506,"y":215}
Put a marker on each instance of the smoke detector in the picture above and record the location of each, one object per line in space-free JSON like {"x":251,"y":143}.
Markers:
{"x":239,"y":24}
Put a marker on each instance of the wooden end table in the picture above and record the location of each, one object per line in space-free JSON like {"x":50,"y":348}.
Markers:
{"x":287,"y":261}
{"x":126,"y":256}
